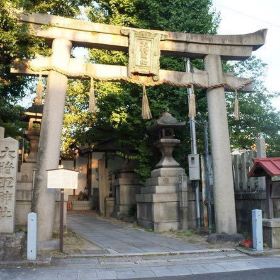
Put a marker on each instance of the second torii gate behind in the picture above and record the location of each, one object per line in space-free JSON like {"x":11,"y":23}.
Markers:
{"x":145,"y":47}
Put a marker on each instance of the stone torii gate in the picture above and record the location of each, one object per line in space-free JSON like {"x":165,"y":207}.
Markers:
{"x":144,"y":47}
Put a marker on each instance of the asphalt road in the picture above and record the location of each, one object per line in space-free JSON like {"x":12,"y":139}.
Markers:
{"x":259,"y":274}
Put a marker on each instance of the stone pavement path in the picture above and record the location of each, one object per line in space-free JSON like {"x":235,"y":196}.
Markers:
{"x":120,"y":238}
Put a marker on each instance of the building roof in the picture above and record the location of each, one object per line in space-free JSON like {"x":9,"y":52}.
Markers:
{"x":265,"y":166}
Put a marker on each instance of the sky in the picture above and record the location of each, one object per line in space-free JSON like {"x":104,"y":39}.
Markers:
{"x":247,"y":16}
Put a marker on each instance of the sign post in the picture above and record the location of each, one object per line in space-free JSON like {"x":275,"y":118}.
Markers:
{"x":62,"y":179}
{"x":32,"y":236}
{"x":257,"y":229}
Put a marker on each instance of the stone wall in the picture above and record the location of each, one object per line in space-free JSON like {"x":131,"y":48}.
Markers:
{"x":12,"y":246}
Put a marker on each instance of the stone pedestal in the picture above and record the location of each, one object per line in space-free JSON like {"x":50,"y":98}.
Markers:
{"x":24,"y":192}
{"x":158,"y":203}
{"x":126,"y":188}
{"x":271,"y":232}
{"x":109,"y":206}
{"x":12,"y":246}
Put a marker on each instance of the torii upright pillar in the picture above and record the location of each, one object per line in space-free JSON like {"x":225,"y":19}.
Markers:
{"x":225,"y":216}
{"x":50,"y":138}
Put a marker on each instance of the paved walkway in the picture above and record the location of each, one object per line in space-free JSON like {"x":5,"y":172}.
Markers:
{"x":120,"y":238}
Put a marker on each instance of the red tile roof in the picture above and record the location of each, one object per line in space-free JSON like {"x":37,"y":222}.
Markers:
{"x":265,"y":166}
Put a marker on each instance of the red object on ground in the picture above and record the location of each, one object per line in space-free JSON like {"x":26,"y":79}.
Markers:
{"x":247,"y":243}
{"x":265,"y":166}
{"x":69,"y":205}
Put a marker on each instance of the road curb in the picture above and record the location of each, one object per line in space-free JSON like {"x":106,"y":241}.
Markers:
{"x":254,"y":253}
{"x":124,"y":255}
{"x":44,"y":261}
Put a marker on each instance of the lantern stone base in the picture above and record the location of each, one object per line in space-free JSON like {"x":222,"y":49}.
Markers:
{"x":109,"y":206}
{"x":24,"y":192}
{"x":158,"y":203}
{"x":271,"y":232}
{"x":126,"y":188}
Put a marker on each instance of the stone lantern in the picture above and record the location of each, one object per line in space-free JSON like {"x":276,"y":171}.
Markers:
{"x":25,"y":179}
{"x":33,"y":116}
{"x":165,"y":126}
{"x":162,"y":203}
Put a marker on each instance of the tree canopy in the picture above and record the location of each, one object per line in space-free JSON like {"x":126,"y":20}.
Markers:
{"x":119,"y":104}
{"x":17,"y":43}
{"x":118,"y":117}
{"x":119,"y":114}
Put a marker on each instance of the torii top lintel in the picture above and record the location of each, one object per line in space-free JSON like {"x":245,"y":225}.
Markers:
{"x":88,"y":34}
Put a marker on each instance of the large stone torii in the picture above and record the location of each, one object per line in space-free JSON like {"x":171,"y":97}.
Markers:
{"x":144,"y":47}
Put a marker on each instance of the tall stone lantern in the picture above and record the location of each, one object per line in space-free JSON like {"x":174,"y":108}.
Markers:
{"x":162,"y":203}
{"x":33,"y":116}
{"x":165,"y":126}
{"x":25,"y":180}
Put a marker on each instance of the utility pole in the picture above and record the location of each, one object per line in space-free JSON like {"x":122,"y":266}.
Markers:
{"x":195,"y":183}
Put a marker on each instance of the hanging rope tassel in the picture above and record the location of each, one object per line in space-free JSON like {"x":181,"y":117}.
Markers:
{"x":236,"y":107}
{"x":92,"y":100}
{"x":146,"y":112}
{"x":192,"y":106}
{"x":39,"y":91}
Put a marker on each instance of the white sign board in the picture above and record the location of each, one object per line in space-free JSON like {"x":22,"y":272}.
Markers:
{"x":62,"y":179}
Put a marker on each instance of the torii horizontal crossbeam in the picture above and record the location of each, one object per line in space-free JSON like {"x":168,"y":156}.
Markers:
{"x":88,"y":34}
{"x":78,"y":69}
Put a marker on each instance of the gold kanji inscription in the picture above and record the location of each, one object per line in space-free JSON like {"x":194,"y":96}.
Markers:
{"x":144,"y":53}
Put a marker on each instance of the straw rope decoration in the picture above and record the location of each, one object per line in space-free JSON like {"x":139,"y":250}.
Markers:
{"x":86,"y":74}
{"x":92,"y":100}
{"x":146,"y":112}
{"x":236,"y":112}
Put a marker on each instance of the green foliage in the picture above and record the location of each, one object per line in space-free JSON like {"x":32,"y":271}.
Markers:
{"x":119,"y":115}
{"x":256,"y":111}
{"x":17,"y":43}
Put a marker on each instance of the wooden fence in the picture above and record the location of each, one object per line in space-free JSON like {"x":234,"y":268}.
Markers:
{"x":242,"y":162}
